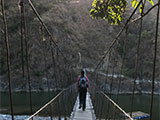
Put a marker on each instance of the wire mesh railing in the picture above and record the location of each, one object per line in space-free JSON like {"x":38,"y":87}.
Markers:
{"x":58,"y":107}
{"x":105,"y":108}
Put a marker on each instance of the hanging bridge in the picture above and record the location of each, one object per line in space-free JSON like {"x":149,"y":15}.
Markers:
{"x":99,"y":102}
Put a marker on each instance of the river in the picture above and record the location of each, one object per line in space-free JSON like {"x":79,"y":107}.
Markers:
{"x":21,"y":103}
{"x":141,"y":103}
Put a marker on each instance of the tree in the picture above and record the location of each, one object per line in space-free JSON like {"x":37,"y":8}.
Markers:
{"x":113,"y":10}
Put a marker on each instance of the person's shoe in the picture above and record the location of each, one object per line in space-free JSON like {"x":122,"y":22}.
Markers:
{"x":83,"y":109}
{"x":79,"y":107}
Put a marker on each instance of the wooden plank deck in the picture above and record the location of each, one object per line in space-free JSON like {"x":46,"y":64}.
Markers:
{"x":88,"y":114}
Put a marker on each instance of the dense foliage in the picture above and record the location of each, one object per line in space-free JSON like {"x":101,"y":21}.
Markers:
{"x":113,"y":10}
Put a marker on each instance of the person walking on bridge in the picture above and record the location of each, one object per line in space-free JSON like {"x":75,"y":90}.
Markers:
{"x":82,"y":84}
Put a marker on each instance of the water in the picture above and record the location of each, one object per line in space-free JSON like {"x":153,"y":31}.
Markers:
{"x":141,"y":103}
{"x":21,"y":103}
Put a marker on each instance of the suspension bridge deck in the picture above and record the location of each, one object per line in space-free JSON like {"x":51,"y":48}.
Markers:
{"x":88,"y":114}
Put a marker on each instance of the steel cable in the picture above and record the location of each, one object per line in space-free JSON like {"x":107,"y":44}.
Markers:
{"x":154,"y":60}
{"x":46,"y":73}
{"x":8,"y":57}
{"x":136,"y":62}
{"x":27,"y":61}
{"x":47,"y":30}
{"x":118,"y":35}
{"x":21,"y":4}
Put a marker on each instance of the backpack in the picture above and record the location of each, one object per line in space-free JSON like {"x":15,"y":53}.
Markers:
{"x":83,"y":82}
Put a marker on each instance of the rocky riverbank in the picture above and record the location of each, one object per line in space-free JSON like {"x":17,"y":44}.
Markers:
{"x":22,"y":85}
{"x":142,"y":86}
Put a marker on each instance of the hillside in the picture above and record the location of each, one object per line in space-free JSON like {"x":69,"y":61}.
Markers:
{"x":77,"y":34}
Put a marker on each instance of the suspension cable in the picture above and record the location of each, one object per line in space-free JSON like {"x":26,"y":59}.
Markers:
{"x":105,"y":82}
{"x":121,"y":68}
{"x":144,"y":14}
{"x":54,"y":64}
{"x":112,"y":78}
{"x":45,"y":61}
{"x":46,"y":73}
{"x":118,"y":35}
{"x":47,"y":30}
{"x":8,"y":57}
{"x":119,"y":82}
{"x":45,"y":27}
{"x":137,"y":61}
{"x":46,"y":105}
{"x":112,"y":102}
{"x":154,"y":60}
{"x":22,"y":22}
{"x":58,"y":67}
{"x":107,"y":71}
{"x":27,"y":60}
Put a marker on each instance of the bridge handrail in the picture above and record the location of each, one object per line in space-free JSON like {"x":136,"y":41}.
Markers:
{"x":50,"y":102}
{"x":114,"y":103}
